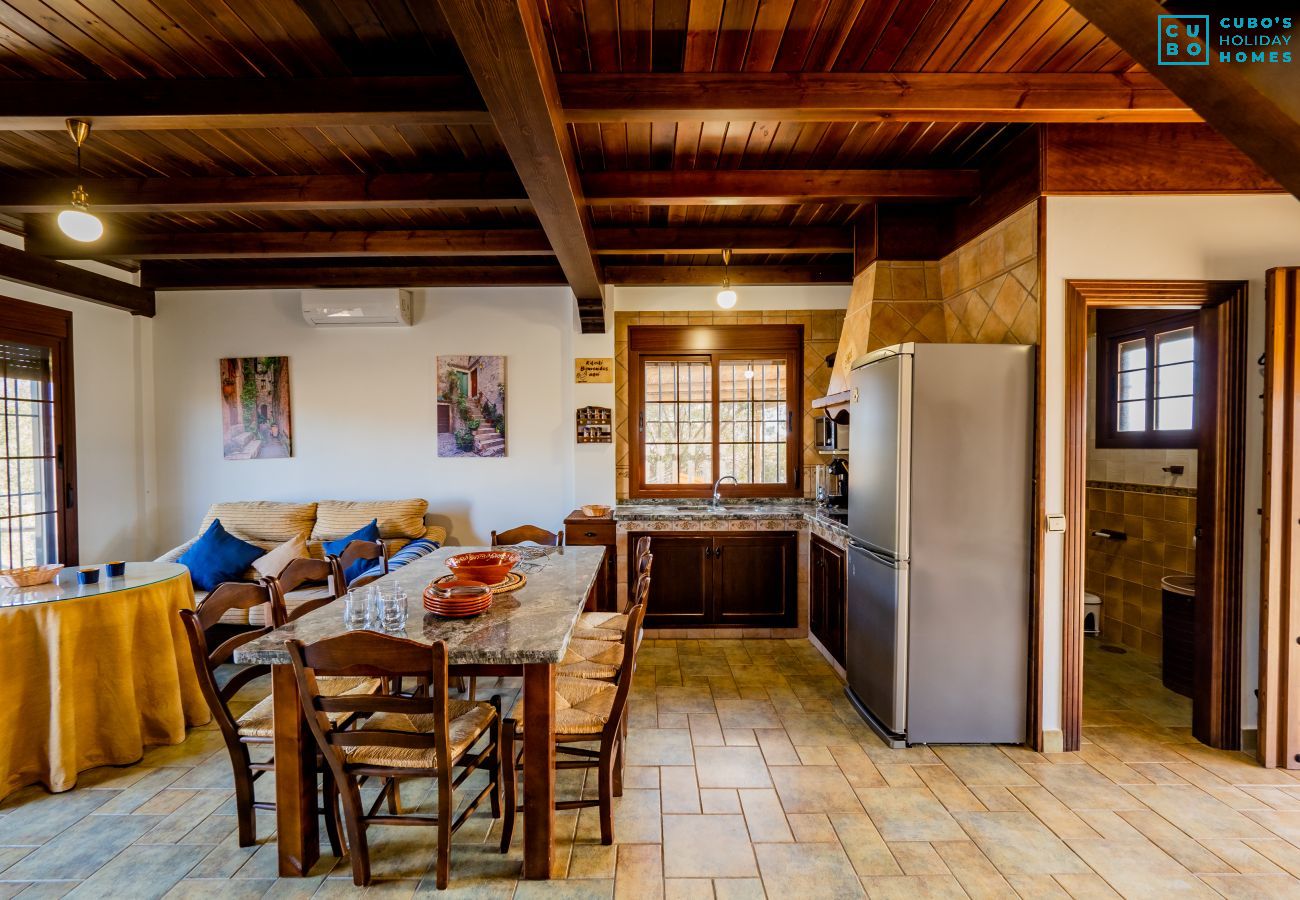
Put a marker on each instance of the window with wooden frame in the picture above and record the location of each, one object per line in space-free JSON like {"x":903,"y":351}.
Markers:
{"x":711,"y":401}
{"x":1146,"y":380}
{"x":37,"y":437}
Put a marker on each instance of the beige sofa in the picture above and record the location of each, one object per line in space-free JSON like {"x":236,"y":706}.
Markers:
{"x":266,"y":523}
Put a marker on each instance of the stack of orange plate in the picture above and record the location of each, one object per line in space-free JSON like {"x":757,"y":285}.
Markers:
{"x":457,"y":598}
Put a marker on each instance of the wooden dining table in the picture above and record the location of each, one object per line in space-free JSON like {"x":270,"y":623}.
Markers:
{"x":524,"y":633}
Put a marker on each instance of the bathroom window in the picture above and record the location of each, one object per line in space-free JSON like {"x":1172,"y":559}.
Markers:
{"x":1146,"y":380}
{"x":709,"y":402}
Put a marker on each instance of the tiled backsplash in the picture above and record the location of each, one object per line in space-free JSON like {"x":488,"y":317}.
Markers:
{"x":821,"y":335}
{"x":1159,"y":523}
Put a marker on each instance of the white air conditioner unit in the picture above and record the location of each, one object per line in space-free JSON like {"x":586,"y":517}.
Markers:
{"x":359,"y":306}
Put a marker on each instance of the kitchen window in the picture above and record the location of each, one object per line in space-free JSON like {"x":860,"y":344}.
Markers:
{"x":36,"y":436}
{"x":709,"y":402}
{"x":1146,"y":381}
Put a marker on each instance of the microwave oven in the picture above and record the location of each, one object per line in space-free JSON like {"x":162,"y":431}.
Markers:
{"x":830,"y":436}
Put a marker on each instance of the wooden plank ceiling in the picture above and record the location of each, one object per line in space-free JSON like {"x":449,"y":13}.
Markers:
{"x":236,"y":137}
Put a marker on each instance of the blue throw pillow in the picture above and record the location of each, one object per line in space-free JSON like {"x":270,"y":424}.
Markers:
{"x":335,"y":548}
{"x":219,"y":556}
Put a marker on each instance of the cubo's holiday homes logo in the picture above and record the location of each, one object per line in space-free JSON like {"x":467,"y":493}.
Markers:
{"x":1187,"y":41}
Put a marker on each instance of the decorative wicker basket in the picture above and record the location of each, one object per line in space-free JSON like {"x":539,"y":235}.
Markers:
{"x":29,"y":576}
{"x":595,"y":510}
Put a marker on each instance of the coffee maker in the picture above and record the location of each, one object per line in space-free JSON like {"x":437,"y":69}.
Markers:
{"x":837,"y":483}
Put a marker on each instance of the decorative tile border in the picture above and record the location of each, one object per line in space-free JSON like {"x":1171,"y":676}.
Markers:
{"x":1166,"y":490}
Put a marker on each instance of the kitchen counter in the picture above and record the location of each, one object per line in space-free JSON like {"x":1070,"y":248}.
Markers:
{"x":771,"y":515}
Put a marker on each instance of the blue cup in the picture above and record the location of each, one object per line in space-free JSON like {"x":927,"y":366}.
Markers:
{"x":88,"y":576}
{"x":115,"y":569}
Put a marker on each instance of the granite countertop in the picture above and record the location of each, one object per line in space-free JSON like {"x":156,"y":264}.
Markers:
{"x":651,"y":511}
{"x":530,"y":625}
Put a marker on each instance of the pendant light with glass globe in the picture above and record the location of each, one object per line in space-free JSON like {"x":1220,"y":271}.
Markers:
{"x":726,"y":296}
{"x":77,"y":222}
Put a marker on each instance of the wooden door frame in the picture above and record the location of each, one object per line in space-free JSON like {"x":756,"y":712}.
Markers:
{"x":1218,"y":719}
{"x":1279,"y":614}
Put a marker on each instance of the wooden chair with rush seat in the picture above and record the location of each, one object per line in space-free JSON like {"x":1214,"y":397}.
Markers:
{"x":528,"y":534}
{"x":255,"y":727}
{"x":426,"y":735}
{"x":357,"y":551}
{"x":586,"y":710}
{"x":322,"y":574}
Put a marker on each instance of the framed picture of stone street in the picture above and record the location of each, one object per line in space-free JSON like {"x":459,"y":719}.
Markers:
{"x":471,"y":406}
{"x":256,"y":417}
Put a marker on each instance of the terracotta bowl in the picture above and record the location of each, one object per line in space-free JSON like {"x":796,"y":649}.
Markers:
{"x":487,"y":566}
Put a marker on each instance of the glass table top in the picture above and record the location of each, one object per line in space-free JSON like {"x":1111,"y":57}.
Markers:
{"x":65,"y":587}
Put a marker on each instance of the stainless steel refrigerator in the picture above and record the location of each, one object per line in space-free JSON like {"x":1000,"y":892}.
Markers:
{"x":939,"y":562}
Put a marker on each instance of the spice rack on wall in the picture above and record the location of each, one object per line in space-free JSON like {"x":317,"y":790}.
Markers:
{"x":595,"y":425}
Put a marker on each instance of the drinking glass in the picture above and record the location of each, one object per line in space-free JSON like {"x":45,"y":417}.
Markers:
{"x":356,"y":609}
{"x":392,"y":609}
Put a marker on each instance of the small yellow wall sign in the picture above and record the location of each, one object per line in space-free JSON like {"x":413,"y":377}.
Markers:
{"x":593,"y":370}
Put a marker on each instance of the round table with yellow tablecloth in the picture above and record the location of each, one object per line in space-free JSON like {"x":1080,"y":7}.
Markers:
{"x":93,"y":674}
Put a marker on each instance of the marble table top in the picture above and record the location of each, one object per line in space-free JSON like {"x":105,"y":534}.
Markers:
{"x":65,"y":587}
{"x":530,"y":625}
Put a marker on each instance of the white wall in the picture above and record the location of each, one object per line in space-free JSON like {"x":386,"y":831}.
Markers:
{"x":1214,"y":237}
{"x":110,"y":362}
{"x":364,"y":407}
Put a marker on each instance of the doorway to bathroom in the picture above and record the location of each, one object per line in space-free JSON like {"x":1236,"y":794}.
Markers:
{"x":1155,"y":424}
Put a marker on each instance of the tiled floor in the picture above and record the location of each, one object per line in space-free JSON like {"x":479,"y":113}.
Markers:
{"x":748,"y":773}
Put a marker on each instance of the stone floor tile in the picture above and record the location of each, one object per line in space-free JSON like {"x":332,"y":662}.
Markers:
{"x":1284,"y":824}
{"x":1086,"y":886}
{"x":688,"y":889}
{"x":719,"y":800}
{"x":864,"y":845}
{"x":705,"y":731}
{"x":764,"y":817}
{"x":909,"y":814}
{"x":949,"y":789}
{"x":141,"y":872}
{"x":707,"y":847}
{"x":918,"y":858}
{"x":811,"y":827}
{"x":776,"y":746}
{"x":731,"y":767}
{"x":1083,"y":787}
{"x":581,"y":889}
{"x":641,"y":777}
{"x":997,"y":799}
{"x":857,"y":766}
{"x":794,"y":870}
{"x":81,"y":850}
{"x":739,"y":737}
{"x":814,"y":756}
{"x":1139,"y":869}
{"x":812,"y":789}
{"x":737,"y":713}
{"x":913,"y":887}
{"x":1194,"y":856}
{"x":1053,"y":813}
{"x":678,"y":791}
{"x":972,"y":869}
{"x":219,"y":889}
{"x":659,"y":747}
{"x":1197,"y":813}
{"x":1241,"y":857}
{"x":640,"y":872}
{"x":1038,"y":887}
{"x":592,"y":861}
{"x":1019,"y":844}
{"x":982,"y":765}
{"x":899,"y":776}
{"x":1254,"y":887}
{"x":32,"y":816}
{"x":738,"y":889}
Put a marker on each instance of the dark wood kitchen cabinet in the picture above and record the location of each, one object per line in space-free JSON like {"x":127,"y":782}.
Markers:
{"x":722,"y":579}
{"x":826,"y":596}
{"x":581,"y":530}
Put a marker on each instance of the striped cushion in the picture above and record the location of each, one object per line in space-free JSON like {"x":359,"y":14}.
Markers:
{"x":263,"y":520}
{"x":407,"y":554}
{"x":397,"y":518}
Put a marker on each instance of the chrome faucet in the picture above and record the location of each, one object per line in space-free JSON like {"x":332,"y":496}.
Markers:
{"x":717,"y":488}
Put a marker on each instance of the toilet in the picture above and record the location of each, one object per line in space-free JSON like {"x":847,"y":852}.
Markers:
{"x":1091,"y":614}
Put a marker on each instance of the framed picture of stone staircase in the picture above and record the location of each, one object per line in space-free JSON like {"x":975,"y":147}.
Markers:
{"x":471,"y":406}
{"x":256,"y":419}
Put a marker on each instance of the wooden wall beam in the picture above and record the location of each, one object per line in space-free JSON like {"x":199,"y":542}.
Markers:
{"x":71,"y":281}
{"x":871,"y":96}
{"x":305,"y":276}
{"x":1256,"y":107}
{"x":741,"y":187}
{"x":268,"y":192}
{"x":193,"y":104}
{"x":505,"y":47}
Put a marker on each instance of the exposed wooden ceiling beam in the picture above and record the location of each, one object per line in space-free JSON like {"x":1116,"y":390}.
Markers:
{"x":307,"y":276}
{"x":45,"y":239}
{"x":1255,"y":106}
{"x":71,"y":281}
{"x":835,"y":273}
{"x":190,"y":104}
{"x":268,"y":192}
{"x":741,"y":187}
{"x":871,"y":96}
{"x":505,"y":48}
